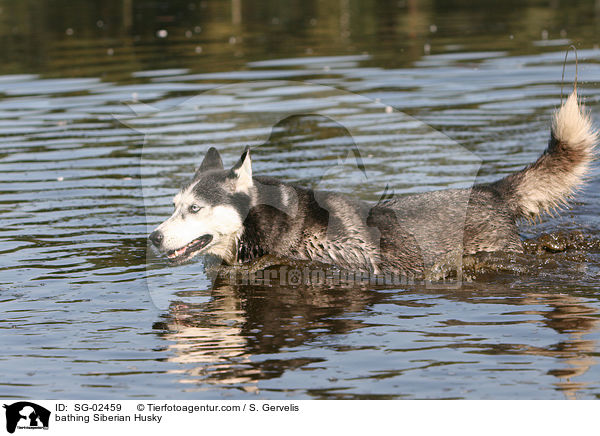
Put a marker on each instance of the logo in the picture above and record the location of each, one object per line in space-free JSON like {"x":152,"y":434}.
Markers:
{"x":26,"y":415}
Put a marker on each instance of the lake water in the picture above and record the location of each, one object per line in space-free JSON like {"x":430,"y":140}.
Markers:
{"x":106,"y":110}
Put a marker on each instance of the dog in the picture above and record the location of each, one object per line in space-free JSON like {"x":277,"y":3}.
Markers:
{"x":239,"y":217}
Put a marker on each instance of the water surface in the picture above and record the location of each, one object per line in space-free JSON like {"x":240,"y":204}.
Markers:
{"x":103,"y":116}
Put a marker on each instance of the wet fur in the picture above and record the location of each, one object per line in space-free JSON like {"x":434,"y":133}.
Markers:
{"x":410,"y":234}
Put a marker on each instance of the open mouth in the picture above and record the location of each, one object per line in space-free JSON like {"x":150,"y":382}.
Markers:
{"x":188,"y":251}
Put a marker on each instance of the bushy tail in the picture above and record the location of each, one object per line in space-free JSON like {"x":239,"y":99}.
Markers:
{"x":549,"y":182}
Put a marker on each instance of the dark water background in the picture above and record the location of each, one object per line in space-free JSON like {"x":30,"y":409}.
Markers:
{"x":86,"y":312}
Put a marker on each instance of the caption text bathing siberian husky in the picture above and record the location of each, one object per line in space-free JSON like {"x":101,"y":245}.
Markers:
{"x":239,"y":217}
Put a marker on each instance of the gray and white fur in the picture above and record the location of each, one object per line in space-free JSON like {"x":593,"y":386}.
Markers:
{"x":240,"y":217}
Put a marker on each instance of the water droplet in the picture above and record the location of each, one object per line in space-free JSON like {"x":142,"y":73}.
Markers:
{"x":232,"y":40}
{"x":544,"y":34}
{"x":389,"y":109}
{"x":198,"y":49}
{"x":433,"y":28}
{"x":60,"y":179}
{"x":69,"y":31}
{"x":162,"y":33}
{"x":100,"y":24}
{"x":110,"y":51}
{"x":427,"y":49}
{"x":197,"y":29}
{"x":188,"y":33}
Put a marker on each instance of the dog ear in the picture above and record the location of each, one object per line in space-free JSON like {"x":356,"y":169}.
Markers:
{"x":212,"y":161}
{"x":242,"y":172}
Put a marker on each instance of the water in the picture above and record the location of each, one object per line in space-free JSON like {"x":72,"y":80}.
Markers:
{"x":103,"y":116}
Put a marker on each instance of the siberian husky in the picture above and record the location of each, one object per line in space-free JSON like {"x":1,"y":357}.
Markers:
{"x":239,"y":217}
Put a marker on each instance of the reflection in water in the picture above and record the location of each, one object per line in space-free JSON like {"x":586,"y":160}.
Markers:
{"x":569,"y":316}
{"x":223,"y":337}
{"x":246,"y":334}
{"x":210,"y":335}
{"x":119,"y":36}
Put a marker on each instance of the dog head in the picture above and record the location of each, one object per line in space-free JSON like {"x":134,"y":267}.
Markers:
{"x":209,"y":212}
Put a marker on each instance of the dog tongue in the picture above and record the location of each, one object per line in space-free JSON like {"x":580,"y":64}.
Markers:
{"x":180,"y":251}
{"x":202,"y":240}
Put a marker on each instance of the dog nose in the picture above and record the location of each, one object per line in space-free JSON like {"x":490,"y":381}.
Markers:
{"x":156,"y":237}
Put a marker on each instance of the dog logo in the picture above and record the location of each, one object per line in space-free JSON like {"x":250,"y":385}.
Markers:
{"x":26,"y":415}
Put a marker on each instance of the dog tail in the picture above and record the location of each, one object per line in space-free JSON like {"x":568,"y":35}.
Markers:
{"x":551,"y":181}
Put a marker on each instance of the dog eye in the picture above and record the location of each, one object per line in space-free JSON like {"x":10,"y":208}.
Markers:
{"x":194,"y":208}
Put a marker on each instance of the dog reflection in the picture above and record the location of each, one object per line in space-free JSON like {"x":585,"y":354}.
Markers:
{"x":216,"y":340}
{"x":241,"y":321}
{"x":568,"y":315}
